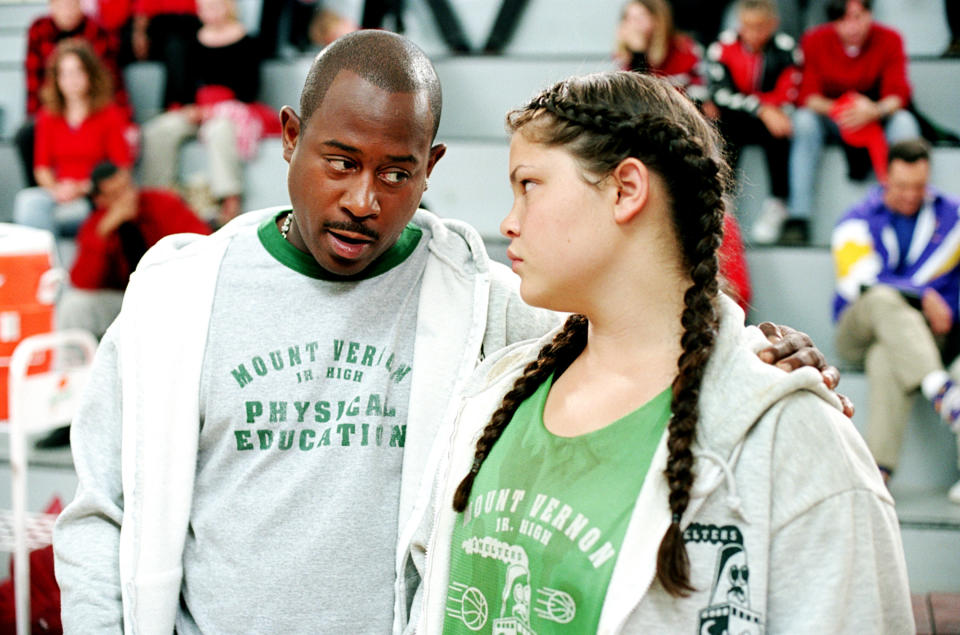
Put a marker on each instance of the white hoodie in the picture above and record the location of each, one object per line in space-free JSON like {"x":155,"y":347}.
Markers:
{"x":784,"y":483}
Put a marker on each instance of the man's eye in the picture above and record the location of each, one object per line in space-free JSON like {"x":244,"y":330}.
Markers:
{"x":340,"y":164}
{"x":395,"y":177}
{"x":526,"y":185}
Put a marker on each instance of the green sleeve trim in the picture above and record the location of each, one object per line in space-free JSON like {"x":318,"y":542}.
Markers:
{"x":291,"y":257}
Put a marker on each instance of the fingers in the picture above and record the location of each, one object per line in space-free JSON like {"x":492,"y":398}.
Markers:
{"x":792,"y":350}
{"x":831,"y":377}
{"x":847,"y":405}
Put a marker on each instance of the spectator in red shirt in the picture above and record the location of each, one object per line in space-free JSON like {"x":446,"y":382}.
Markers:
{"x":753,"y":78}
{"x":854,"y":84}
{"x":78,"y":126}
{"x":65,"y":20}
{"x":646,"y":42}
{"x":125,"y":222}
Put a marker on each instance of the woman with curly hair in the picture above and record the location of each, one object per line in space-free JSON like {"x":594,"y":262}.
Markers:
{"x":79,"y":125}
{"x":641,"y":470}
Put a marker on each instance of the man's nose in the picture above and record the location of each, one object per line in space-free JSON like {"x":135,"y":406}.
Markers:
{"x":360,"y":198}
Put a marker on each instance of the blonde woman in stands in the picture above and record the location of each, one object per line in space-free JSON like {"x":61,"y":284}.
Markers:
{"x":225,"y":80}
{"x":646,"y":42}
{"x":644,"y":474}
{"x":78,"y":125}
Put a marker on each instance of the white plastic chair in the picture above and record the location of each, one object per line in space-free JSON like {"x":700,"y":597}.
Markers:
{"x":39,"y":401}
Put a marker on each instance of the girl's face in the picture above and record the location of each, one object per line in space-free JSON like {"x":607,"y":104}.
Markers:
{"x":214,"y":11}
{"x":72,"y":77}
{"x":638,"y":18}
{"x":559,"y":234}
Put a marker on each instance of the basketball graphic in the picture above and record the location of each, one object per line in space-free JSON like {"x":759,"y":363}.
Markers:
{"x":474,"y":609}
{"x":556,"y":606}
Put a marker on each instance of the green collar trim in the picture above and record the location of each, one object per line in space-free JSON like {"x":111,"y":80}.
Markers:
{"x":289,"y":256}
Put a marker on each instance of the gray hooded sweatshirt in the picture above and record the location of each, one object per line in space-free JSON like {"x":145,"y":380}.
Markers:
{"x":784,"y":487}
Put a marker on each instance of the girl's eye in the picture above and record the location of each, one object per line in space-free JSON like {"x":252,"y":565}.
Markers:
{"x":526,"y":185}
{"x":395,"y":177}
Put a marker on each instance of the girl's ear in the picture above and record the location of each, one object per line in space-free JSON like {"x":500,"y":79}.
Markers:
{"x":632,"y":180}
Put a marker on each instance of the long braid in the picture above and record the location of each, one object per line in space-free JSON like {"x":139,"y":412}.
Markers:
{"x":700,"y":322}
{"x":667,"y":134}
{"x":556,"y":355}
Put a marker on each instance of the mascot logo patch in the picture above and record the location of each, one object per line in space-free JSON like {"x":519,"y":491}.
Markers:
{"x":729,"y":609}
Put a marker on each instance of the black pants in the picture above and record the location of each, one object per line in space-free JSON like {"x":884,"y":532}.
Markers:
{"x":171,"y":37}
{"x":24,"y":140}
{"x":740,"y":129}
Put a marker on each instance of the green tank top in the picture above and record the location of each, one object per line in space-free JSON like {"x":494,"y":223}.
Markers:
{"x":536,"y":547}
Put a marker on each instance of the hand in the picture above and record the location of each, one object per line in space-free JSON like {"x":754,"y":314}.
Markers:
{"x":861,"y":111}
{"x":937,"y":312}
{"x":192,"y":112}
{"x":710,"y":110}
{"x":66,"y":190}
{"x":776,"y":121}
{"x":140,"y":44}
{"x":791,"y":349}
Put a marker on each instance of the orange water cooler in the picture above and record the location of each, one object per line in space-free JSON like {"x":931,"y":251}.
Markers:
{"x":29,"y":282}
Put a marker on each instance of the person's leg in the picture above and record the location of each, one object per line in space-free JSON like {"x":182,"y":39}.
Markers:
{"x":449,"y":24}
{"x":90,"y":310}
{"x":162,"y":137}
{"x":35,"y":207}
{"x":171,"y":37}
{"x":223,"y":161}
{"x":901,"y":125}
{"x":777,"y":152}
{"x":505,"y":24}
{"x":70,"y":215}
{"x":808,"y":134}
{"x":882,"y":316}
{"x":888,"y":409}
{"x":24,"y":140}
{"x":952,"y":8}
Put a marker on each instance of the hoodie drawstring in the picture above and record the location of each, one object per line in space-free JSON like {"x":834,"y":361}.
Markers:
{"x":733,"y":500}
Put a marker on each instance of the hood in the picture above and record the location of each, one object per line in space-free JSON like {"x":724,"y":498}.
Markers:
{"x":737,"y":390}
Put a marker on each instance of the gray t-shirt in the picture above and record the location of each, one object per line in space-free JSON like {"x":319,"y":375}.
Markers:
{"x":303,"y":399}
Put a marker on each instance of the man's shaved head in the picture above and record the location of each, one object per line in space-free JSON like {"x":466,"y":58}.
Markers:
{"x":386,"y":60}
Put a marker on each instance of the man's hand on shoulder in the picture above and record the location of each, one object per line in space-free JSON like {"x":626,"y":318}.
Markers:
{"x":791,"y":349}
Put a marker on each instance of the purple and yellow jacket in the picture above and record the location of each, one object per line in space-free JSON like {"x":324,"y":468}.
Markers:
{"x":866,"y":250}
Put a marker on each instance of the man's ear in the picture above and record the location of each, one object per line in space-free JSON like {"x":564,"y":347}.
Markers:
{"x":632,"y":181}
{"x":436,"y":153}
{"x":290,"y":131}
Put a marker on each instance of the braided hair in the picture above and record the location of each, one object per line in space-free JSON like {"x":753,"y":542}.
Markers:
{"x":602,"y":119}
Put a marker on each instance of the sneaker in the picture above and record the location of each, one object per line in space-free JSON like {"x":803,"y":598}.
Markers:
{"x":947,"y":403}
{"x":766,"y":229}
{"x":795,"y":233}
{"x":954,"y":494}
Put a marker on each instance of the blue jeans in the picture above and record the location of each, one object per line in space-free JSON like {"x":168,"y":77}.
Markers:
{"x":36,"y":207}
{"x":809,"y":132}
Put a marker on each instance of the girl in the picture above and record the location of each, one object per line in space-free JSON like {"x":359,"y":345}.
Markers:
{"x":78,"y":126}
{"x":644,"y":475}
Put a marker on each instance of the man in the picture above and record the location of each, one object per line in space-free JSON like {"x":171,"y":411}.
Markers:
{"x":261,"y":411}
{"x":898,"y":289}
{"x":855,"y":89}
{"x":125,"y":222}
{"x":66,"y":20}
{"x":753,"y":78}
